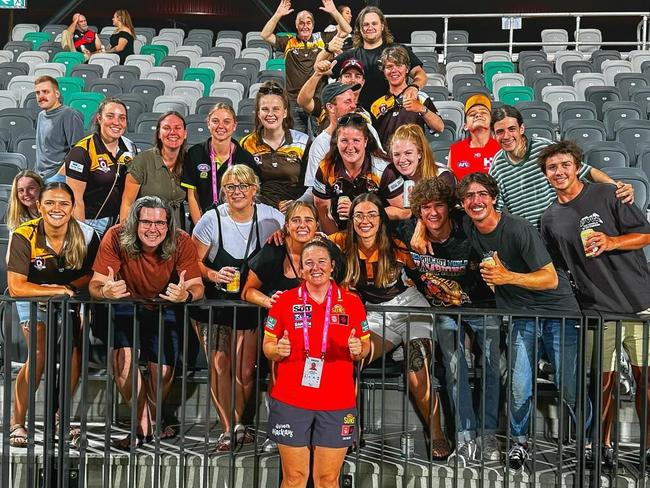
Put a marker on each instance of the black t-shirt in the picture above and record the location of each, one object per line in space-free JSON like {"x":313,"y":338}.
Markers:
{"x":520,"y":249}
{"x":197,"y":171}
{"x":128,"y":49}
{"x":376,"y":84}
{"x":615,"y":281}
{"x":451,"y":276}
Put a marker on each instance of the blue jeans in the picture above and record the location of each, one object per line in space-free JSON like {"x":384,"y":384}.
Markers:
{"x":523,"y":337}
{"x":55,"y":178}
{"x":452,"y":344}
{"x":100,"y":225}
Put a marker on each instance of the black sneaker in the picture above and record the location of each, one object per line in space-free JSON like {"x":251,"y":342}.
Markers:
{"x":647,"y":460}
{"x":517,"y":456}
{"x":609,"y":456}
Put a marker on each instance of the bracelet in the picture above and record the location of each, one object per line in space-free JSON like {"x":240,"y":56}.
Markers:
{"x":327,"y":49}
{"x":413,"y":85}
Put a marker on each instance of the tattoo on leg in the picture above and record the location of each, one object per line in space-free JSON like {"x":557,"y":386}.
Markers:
{"x":419,"y":351}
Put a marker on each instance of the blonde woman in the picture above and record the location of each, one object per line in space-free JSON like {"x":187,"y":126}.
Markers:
{"x":23,"y":200}
{"x":122,"y":38}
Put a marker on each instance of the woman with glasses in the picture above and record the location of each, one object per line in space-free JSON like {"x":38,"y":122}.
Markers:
{"x":157,"y":171}
{"x":207,"y":161}
{"x":277,"y":149}
{"x":23,"y":199}
{"x":414,"y":160}
{"x":48,"y":256}
{"x":315,"y":333}
{"x":376,"y":266}
{"x":353,"y":166}
{"x":95,"y":167}
{"x":225,"y":237}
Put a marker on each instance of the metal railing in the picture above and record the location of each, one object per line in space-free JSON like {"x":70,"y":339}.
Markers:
{"x":557,"y":456}
{"x":640,"y":43}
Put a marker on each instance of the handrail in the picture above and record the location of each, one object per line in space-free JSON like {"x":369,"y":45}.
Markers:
{"x":641,"y":42}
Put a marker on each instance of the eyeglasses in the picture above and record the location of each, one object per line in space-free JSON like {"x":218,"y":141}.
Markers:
{"x":481,"y":194}
{"x":159,"y":224}
{"x":360,"y":217}
{"x":271,"y":90}
{"x":351,"y":118}
{"x":242,"y":187}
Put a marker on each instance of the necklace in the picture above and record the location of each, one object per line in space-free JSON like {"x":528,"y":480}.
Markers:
{"x":243,"y":236}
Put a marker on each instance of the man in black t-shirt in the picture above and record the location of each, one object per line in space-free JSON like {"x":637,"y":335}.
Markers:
{"x":600,"y":241}
{"x":78,"y":37}
{"x":448,"y":276}
{"x":518,"y":266}
{"x":370,"y":37}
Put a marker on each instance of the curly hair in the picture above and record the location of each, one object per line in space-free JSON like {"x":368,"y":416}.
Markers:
{"x":431,"y":190}
{"x":562,"y":147}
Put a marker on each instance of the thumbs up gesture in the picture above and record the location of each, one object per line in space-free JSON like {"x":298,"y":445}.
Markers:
{"x":176,"y":292}
{"x":114,"y":289}
{"x":497,"y":273}
{"x":354,"y":344}
{"x":283,"y":347}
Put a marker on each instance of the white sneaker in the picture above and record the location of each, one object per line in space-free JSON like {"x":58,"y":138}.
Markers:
{"x":465,"y":452}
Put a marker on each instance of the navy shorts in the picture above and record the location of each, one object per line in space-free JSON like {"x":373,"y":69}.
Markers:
{"x":299,"y":427}
{"x":148,"y":333}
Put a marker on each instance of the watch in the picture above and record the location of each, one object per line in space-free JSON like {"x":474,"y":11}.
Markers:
{"x":190,"y":297}
{"x":424,"y":112}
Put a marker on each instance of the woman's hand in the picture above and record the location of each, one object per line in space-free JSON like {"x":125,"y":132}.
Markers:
{"x":283,"y":346}
{"x":276,"y":238}
{"x":274,"y":298}
{"x":224,"y":276}
{"x":354,"y":344}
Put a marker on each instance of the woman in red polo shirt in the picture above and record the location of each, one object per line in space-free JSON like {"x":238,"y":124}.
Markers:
{"x":315,"y":333}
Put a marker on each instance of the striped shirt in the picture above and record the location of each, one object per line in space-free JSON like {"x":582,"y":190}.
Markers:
{"x":523,"y":188}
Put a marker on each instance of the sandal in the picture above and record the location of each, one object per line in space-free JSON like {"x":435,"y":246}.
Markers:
{"x":166,"y":431}
{"x":16,"y":437}
{"x":126,"y":444}
{"x":243,"y":435}
{"x":224,"y":443}
{"x":440,"y":449}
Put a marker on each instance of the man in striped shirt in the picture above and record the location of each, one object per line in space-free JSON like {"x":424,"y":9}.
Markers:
{"x":523,"y":188}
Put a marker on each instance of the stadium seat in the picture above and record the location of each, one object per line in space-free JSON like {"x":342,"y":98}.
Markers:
{"x":33,"y":59}
{"x":614,"y":111}
{"x":235,"y":44}
{"x":204,"y":33}
{"x":253,"y":36}
{"x":148,"y":90}
{"x":535,"y":110}
{"x":87,"y":103}
{"x":642,"y":97}
{"x":608,"y":154}
{"x":22,"y":85}
{"x":539,"y":128}
{"x":87,"y":71}
{"x":277,"y":64}
{"x":491,"y":56}
{"x":260,"y":44}
{"x":193,"y":53}
{"x":582,"y":131}
{"x":600,"y":55}
{"x":601,"y":94}
{"x":108,"y":88}
{"x":124,"y":75}
{"x":544,"y":80}
{"x":589,"y":40}
{"x":173,"y":33}
{"x":144,"y":62}
{"x":105,"y":60}
{"x":460,"y":56}
{"x":271,"y":75}
{"x":51,"y":48}
{"x":626,"y":82}
{"x":69,"y":59}
{"x":135,"y":106}
{"x":458,"y":67}
{"x":19,"y":30}
{"x":197,"y":129}
{"x":638,"y":179}
{"x":632,"y":133}
{"x":6,"y":56}
{"x":156,"y":50}
{"x":637,"y":57}
{"x":191,"y":91}
{"x":570,"y":68}
{"x":166,"y":103}
{"x":613,"y":67}
{"x":582,"y":81}
{"x":251,"y":65}
{"x":228,"y":89}
{"x":512,"y":95}
{"x":180,"y":63}
{"x":643,"y":158}
{"x":246,"y":109}
{"x":260,"y":54}
{"x":69,"y":85}
{"x":554,"y":40}
{"x":447,"y":134}
{"x":228,"y":55}
{"x":204,"y":104}
{"x":10,"y":165}
{"x":8,"y":99}
{"x":423,"y":40}
{"x":429,"y":62}
{"x":454,"y":38}
{"x":148,"y":32}
{"x":230,"y":34}
{"x":204,"y":75}
{"x":55,"y":70}
{"x":462,"y":93}
{"x":562,"y":57}
{"x":25,"y":144}
{"x":526,"y":57}
{"x":436,"y":93}
{"x":535,"y":70}
{"x":555,"y":95}
{"x":30,"y":106}
{"x":243,"y":129}
{"x":201,"y":44}
{"x":158,"y":41}
{"x":496,"y":67}
{"x":645,"y":68}
{"x":237,"y":76}
{"x":579,"y":110}
{"x":501,"y":80}
{"x":440,"y":150}
{"x":435,"y":79}
{"x":165,"y":74}
{"x":9,"y":70}
{"x":37,"y":38}
{"x":54,"y":30}
{"x":454,"y":111}
{"x":18,"y":47}
{"x":147,"y":122}
{"x":464,"y":80}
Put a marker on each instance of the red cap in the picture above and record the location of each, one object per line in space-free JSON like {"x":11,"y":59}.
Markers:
{"x":353,"y":64}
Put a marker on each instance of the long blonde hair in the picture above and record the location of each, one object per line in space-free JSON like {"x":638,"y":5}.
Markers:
{"x":17,"y":213}
{"x":427,"y":167}
{"x":74,"y":251}
{"x":387,"y":268}
{"x":125,"y":18}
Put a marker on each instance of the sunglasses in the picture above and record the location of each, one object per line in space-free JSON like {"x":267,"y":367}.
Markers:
{"x":271,"y":90}
{"x":351,"y":119}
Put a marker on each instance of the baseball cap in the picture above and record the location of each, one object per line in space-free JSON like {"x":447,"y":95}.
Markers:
{"x":353,"y":63}
{"x":329,"y":92}
{"x":478,"y":99}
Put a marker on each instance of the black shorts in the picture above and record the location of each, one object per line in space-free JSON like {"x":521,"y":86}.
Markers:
{"x":299,"y":427}
{"x":149,"y":333}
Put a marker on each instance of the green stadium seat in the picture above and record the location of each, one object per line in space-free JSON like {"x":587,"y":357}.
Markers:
{"x":204,"y":75}
{"x":276,"y":64}
{"x":69,"y":85}
{"x":37,"y":38}
{"x":494,"y":67}
{"x":158,"y":51}
{"x":86,"y":103}
{"x":511,"y":95}
{"x":69,"y":59}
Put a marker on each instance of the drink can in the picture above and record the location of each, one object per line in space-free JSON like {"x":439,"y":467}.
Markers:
{"x":343,"y":198}
{"x":408,"y":188}
{"x":407,"y":445}
{"x":584,"y":235}
{"x":233,"y":286}
{"x":488,"y":260}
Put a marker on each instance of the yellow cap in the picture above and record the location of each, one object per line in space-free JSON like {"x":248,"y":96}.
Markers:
{"x":478,"y":99}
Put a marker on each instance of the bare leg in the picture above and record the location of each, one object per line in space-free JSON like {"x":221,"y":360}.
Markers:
{"x":245,"y":369}
{"x":295,"y":466}
{"x":641,"y":393}
{"x":378,"y":347}
{"x":122,"y":370}
{"x":327,"y":466}
{"x":21,"y":400}
{"x":608,"y":407}
{"x":167,"y":378}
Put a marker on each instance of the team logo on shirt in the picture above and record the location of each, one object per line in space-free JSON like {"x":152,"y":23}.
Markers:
{"x":349,"y":419}
{"x":340,"y":319}
{"x":39,"y":264}
{"x":203,"y":167}
{"x":338,"y":308}
{"x":300,"y":311}
{"x":103,"y":165}
{"x":270,"y":323}
{"x":74,"y":166}
{"x":590,"y":221}
{"x":257,"y":159}
{"x":463,"y":164}
{"x":365,"y":327}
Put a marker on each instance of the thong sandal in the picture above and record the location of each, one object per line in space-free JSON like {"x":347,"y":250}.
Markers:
{"x":439,"y":449}
{"x":243,"y":435}
{"x":126,"y":443}
{"x":16,"y":438}
{"x":224,"y":443}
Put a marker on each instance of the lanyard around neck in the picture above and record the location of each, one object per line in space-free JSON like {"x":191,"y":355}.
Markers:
{"x":213,"y":156}
{"x":326,"y":323}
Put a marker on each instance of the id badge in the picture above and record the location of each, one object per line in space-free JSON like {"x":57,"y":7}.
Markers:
{"x":312,"y":373}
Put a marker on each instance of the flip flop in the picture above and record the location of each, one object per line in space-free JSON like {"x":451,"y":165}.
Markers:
{"x":17,"y":439}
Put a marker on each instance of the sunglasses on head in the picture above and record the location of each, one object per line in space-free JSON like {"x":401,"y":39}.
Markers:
{"x":271,"y":90}
{"x":351,"y":119}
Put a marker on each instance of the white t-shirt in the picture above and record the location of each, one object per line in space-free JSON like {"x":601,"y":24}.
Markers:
{"x":236,"y":234}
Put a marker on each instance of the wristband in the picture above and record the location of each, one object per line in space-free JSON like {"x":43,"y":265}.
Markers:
{"x":190,"y":297}
{"x":413,"y":85}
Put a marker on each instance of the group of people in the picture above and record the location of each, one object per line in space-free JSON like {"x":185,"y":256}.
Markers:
{"x":506,"y":224}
